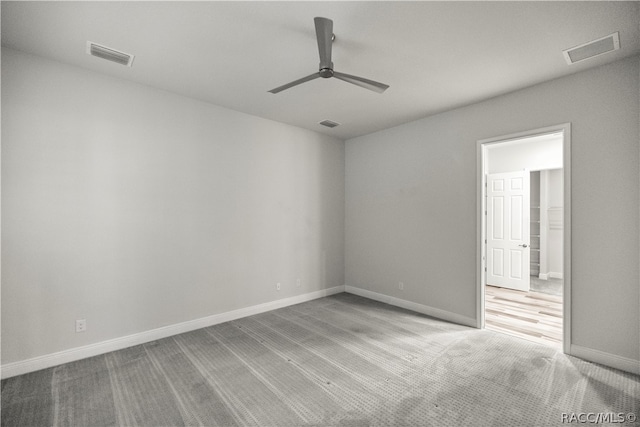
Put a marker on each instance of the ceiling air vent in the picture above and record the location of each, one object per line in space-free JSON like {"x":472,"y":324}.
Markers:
{"x":109,"y":54}
{"x":329,"y":123}
{"x":591,"y":49}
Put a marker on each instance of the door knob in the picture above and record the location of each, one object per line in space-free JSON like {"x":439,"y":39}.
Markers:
{"x":524,"y":246}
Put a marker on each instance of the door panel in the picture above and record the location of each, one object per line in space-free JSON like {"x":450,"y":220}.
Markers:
{"x":498,"y":219}
{"x":516,"y":264}
{"x":516,"y":218}
{"x":508,"y":230}
{"x":498,"y":259}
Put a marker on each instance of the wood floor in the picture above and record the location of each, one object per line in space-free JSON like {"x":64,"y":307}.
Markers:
{"x":531,"y":315}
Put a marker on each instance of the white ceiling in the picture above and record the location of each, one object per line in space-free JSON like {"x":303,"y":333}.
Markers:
{"x":435,"y":55}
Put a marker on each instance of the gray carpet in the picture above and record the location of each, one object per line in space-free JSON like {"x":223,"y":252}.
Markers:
{"x":341,"y":360}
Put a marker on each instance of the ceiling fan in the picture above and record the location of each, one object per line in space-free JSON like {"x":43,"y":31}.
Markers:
{"x":324,"y":34}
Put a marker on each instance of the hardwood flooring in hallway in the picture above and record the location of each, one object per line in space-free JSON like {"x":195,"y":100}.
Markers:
{"x":530,"y":315}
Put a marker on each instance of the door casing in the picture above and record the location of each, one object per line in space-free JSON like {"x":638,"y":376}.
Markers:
{"x":481,"y":257}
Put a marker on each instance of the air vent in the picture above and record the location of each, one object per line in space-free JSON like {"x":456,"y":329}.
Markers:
{"x":592,"y":49}
{"x":329,"y":123}
{"x":109,"y":54}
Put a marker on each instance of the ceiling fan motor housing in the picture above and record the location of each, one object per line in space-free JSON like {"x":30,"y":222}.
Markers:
{"x":326,"y":72}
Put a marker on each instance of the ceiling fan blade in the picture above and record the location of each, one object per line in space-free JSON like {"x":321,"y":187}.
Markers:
{"x":295,"y":83}
{"x":324,"y":34}
{"x":361,"y":81}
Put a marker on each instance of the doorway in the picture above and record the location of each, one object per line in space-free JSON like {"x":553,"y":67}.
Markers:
{"x":524,"y":241}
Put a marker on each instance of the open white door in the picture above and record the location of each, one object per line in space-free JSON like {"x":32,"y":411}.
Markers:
{"x":508,"y":227}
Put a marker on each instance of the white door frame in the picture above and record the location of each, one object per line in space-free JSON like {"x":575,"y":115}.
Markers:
{"x":482,"y":146}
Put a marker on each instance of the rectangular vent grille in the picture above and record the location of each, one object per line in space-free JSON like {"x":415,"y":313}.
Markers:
{"x":592,"y":49}
{"x":329,"y":123}
{"x":109,"y":54}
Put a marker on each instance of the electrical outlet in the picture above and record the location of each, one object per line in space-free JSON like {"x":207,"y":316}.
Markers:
{"x":278,"y":286}
{"x":81,"y":325}
{"x":401,"y":286}
{"x":298,"y":283}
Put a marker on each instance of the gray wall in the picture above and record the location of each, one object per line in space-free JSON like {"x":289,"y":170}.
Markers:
{"x":136,"y":208}
{"x":411,"y":201}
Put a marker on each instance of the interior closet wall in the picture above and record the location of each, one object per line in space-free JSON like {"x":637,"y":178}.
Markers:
{"x":554,"y":205}
{"x":534,"y":240}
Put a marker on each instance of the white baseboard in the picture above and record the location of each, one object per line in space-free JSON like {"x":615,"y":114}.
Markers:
{"x":413,"y":306}
{"x":550,"y":275}
{"x":65,"y":356}
{"x":607,"y":359}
